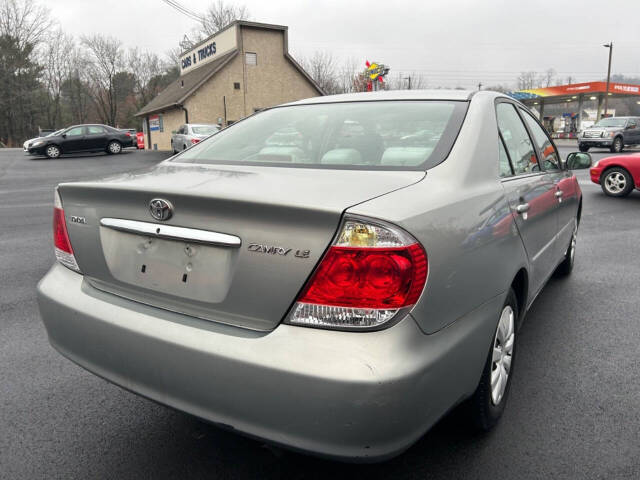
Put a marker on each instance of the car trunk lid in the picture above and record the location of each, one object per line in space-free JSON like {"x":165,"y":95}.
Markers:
{"x":283,"y":220}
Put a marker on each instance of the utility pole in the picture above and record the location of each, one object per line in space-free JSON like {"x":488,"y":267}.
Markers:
{"x":606,"y":95}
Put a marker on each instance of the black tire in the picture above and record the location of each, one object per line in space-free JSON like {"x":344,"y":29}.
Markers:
{"x":114,"y":147}
{"x":617,"y":146}
{"x":614,"y":185}
{"x":485,"y":413}
{"x":566,"y":267}
{"x":184,"y":147}
{"x":52,"y":151}
{"x":583,"y":148}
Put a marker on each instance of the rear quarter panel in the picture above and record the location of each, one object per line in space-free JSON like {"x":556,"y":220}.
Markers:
{"x":460,"y":214}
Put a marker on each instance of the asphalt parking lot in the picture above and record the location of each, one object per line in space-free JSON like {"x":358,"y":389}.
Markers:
{"x":574,"y":409}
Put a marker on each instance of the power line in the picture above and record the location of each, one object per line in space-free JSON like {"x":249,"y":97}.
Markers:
{"x":193,"y":16}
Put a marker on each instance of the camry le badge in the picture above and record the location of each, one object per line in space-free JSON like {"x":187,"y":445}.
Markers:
{"x":160,"y":209}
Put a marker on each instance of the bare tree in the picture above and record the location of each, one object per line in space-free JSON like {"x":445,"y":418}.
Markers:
{"x":407,"y":81}
{"x":105,"y":60}
{"x":145,"y":66}
{"x":220,"y":14}
{"x":549,"y":75}
{"x":323,"y":68}
{"x":528,"y":80}
{"x":346,"y":75}
{"x":56,"y":57}
{"x":25,"y":21}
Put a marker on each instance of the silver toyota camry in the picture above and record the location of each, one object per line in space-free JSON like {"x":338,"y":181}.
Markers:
{"x":331,"y":275}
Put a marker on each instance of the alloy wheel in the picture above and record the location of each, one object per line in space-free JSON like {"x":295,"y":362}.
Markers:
{"x":617,"y":145}
{"x":615,"y":182}
{"x":572,"y":246}
{"x":53,"y":151}
{"x":502,"y":354}
{"x":114,"y":147}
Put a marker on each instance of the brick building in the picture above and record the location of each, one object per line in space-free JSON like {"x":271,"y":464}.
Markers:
{"x":241,"y":69}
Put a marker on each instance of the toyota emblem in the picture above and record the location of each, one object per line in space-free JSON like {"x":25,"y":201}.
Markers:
{"x":160,"y":209}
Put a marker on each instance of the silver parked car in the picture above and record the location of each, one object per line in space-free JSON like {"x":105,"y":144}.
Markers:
{"x":189,"y":134}
{"x":332,"y":275}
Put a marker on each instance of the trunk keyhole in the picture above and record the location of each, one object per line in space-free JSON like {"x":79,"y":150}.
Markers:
{"x":184,"y":278}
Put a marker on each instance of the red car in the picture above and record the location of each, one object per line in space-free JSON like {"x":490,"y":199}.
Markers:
{"x":617,"y":175}
{"x":140,"y":140}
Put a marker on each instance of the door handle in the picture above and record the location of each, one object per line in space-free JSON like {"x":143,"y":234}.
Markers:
{"x":559,"y":194}
{"x":522,"y":208}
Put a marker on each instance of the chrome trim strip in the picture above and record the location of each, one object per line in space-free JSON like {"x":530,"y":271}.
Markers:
{"x":172,"y":233}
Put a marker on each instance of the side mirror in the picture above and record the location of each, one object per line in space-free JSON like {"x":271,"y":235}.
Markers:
{"x":64,"y":135}
{"x":578,"y":161}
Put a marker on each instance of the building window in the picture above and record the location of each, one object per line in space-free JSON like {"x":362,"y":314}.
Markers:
{"x":160,"y":120}
{"x":236,"y":85}
{"x":251,"y":58}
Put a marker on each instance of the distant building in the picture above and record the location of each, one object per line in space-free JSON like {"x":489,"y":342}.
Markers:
{"x":241,"y":69}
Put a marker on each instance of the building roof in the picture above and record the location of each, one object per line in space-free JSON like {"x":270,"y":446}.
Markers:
{"x":178,"y":91}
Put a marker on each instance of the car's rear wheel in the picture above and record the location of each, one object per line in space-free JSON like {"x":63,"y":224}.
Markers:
{"x":489,"y":400}
{"x":616,"y":182}
{"x":53,"y":151}
{"x":617,"y":145}
{"x":566,"y":266}
{"x":184,"y":147}
{"x":583,"y":148}
{"x":114,"y":147}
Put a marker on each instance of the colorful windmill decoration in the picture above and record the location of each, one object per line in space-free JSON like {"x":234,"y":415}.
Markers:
{"x":375,"y":72}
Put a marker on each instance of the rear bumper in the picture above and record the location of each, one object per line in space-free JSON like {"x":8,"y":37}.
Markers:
{"x":355,"y":396}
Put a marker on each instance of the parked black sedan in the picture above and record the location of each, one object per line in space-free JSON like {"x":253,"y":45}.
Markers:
{"x":83,"y":138}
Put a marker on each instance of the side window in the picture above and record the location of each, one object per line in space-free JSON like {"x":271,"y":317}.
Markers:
{"x":93,"y":130}
{"x":550,"y":157}
{"x":516,"y":140}
{"x":75,"y":132}
{"x":505,"y":165}
{"x":632,"y":123}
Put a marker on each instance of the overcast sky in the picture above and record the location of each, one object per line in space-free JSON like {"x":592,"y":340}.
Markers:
{"x":450,"y":42}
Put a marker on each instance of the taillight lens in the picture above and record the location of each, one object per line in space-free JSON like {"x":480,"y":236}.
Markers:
{"x":368,"y":276}
{"x":61,"y":242}
{"x":195,"y":140}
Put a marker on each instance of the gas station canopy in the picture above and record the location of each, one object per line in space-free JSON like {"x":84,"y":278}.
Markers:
{"x":540,"y":97}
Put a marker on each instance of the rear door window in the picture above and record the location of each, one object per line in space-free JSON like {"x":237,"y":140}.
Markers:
{"x":550,"y":157}
{"x":95,"y":130}
{"x":516,"y":140}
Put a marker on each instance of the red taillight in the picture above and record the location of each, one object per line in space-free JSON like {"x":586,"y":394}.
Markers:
{"x":195,"y":140}
{"x":128,"y":134}
{"x":60,"y":235}
{"x":371,"y":273}
{"x":362,"y":277}
{"x":61,"y":242}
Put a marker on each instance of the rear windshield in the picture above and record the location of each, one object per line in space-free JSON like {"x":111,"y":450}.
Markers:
{"x":204,"y":129}
{"x":386,"y":135}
